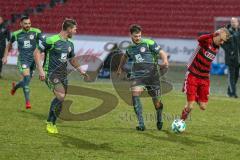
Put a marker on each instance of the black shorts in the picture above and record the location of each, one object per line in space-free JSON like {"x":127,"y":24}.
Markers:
{"x":150,"y":83}
{"x":55,"y":80}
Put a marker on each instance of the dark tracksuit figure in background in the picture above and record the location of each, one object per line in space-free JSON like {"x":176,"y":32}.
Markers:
{"x":232,"y":57}
{"x":4,"y":36}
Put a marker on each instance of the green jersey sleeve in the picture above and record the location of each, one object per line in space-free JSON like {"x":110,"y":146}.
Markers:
{"x":154,"y":47}
{"x":44,"y":44}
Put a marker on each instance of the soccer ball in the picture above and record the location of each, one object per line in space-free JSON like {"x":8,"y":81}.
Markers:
{"x":178,"y":126}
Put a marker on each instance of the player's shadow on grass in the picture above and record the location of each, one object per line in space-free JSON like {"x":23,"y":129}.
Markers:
{"x":100,"y":129}
{"x":224,"y":139}
{"x":73,"y":142}
{"x":39,"y":116}
{"x":175,"y":138}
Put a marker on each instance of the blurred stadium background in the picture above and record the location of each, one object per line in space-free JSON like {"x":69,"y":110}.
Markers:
{"x":103,"y":27}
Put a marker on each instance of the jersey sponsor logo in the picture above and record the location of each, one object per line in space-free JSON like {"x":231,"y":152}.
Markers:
{"x":142,"y":49}
{"x":64,"y":57}
{"x":210,"y":55}
{"x":31,"y":37}
{"x":139,"y":58}
{"x":27,"y":44}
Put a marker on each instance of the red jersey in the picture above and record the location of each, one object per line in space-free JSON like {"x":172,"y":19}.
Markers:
{"x":200,"y":62}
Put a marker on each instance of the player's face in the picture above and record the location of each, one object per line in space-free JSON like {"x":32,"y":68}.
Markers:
{"x":71,"y":31}
{"x":26,"y":24}
{"x":136,"y":37}
{"x":221,"y":38}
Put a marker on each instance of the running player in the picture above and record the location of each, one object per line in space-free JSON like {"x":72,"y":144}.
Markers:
{"x":58,"y":50}
{"x":27,"y":39}
{"x":144,"y":73}
{"x":197,"y":83}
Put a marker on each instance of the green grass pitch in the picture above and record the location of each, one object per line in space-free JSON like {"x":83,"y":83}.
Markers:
{"x":210,"y":135}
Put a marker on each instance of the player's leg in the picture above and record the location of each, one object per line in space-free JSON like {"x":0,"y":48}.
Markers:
{"x":59,"y":91}
{"x":137,"y":105}
{"x":154,"y":92}
{"x":25,"y":85}
{"x":190,"y":89}
{"x":159,"y":108}
{"x":203,"y":93}
{"x":20,"y":83}
{"x":187,"y":109}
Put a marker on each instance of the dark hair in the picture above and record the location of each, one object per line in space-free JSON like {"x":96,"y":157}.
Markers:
{"x":24,"y":17}
{"x":135,"y":28}
{"x":68,"y":23}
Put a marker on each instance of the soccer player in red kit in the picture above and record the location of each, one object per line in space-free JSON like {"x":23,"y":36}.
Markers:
{"x":197,"y":83}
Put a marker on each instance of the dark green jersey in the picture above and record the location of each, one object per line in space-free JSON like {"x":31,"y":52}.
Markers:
{"x":27,"y":42}
{"x":57,"y":52}
{"x":143,"y":56}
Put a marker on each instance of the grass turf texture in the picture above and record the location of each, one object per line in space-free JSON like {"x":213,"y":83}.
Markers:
{"x":210,"y":134}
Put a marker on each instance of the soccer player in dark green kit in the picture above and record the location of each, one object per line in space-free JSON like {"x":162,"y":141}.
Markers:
{"x":27,"y":39}
{"x":59,"y":49}
{"x":144,"y":73}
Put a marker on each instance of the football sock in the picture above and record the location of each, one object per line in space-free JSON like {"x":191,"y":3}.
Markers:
{"x":26,"y":90}
{"x":185,"y":113}
{"x":138,"y":109}
{"x":18,"y":85}
{"x":56,"y":105}
{"x":159,"y":107}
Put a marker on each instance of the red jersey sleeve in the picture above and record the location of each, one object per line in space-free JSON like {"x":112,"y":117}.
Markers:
{"x":204,"y":39}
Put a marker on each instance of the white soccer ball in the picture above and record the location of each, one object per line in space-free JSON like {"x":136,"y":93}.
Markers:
{"x":178,"y":126}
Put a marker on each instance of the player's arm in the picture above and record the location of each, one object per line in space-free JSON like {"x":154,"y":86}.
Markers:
{"x":43,"y":45}
{"x":164,"y":57}
{"x":38,"y":62}
{"x":155,"y":48}
{"x":122,"y":62}
{"x":8,"y":47}
{"x":74,"y":62}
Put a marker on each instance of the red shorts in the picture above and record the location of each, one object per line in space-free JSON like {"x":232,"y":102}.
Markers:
{"x":196,"y":89}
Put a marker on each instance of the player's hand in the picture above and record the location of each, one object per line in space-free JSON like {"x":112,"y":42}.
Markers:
{"x":4,"y":60}
{"x":42,"y":75}
{"x":86,"y":76}
{"x":164,"y":64}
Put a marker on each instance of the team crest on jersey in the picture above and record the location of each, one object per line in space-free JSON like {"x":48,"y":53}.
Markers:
{"x":142,"y":49}
{"x":69,"y":49}
{"x":55,"y":80}
{"x":24,"y":66}
{"x":31,"y":37}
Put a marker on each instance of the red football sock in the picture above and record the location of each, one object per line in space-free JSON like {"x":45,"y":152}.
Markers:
{"x":185,"y":113}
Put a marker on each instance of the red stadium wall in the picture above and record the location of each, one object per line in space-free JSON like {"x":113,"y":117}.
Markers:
{"x":159,"y":18}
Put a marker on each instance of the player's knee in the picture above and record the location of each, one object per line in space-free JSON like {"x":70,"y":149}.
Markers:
{"x":190,"y":105}
{"x":203,"y":106}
